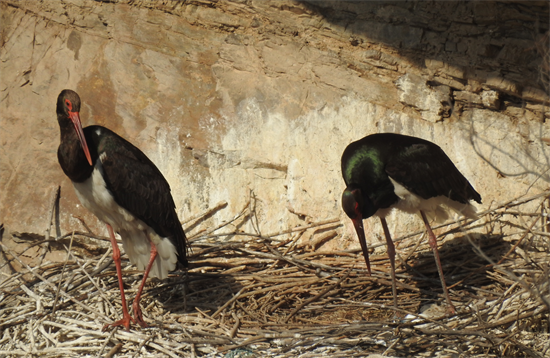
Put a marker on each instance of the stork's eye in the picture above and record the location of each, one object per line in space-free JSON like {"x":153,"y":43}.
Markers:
{"x":69,"y":104}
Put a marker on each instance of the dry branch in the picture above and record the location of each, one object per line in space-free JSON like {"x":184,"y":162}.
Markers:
{"x":273,"y":294}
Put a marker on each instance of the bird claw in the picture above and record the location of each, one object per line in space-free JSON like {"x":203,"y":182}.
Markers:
{"x":125,"y":321}
{"x":138,"y":316}
{"x":450,"y":311}
{"x":139,"y":320}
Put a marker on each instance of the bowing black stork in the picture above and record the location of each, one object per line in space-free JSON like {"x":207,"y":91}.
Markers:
{"x":118,"y":183}
{"x":386,"y":171}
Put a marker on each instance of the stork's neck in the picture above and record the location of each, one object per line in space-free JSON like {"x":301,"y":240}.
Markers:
{"x":70,"y":153}
{"x":66,"y":127}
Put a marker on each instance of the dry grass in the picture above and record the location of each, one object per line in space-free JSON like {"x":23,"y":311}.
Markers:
{"x":279,"y":295}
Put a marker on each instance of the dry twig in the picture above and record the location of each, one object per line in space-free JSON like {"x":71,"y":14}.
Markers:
{"x":253,"y":294}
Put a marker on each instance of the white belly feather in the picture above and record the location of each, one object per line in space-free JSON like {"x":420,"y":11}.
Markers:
{"x":135,"y":234}
{"x":436,"y":207}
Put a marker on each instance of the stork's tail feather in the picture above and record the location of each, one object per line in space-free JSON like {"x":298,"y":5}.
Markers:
{"x":138,"y":248}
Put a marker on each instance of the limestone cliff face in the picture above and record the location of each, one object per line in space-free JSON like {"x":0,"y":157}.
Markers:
{"x":238,"y":98}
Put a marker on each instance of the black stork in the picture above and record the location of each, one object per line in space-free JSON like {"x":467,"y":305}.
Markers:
{"x":385,"y":171}
{"x":118,"y":183}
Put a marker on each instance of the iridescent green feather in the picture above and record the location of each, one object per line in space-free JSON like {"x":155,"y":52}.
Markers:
{"x":358,"y":159}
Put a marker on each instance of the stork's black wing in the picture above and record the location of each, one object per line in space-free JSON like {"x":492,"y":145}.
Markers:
{"x":424,"y":169}
{"x":138,"y":186}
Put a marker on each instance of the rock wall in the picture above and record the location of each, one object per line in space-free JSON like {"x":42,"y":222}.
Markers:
{"x":241,"y":99}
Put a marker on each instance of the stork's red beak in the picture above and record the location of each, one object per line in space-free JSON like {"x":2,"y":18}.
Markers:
{"x":358,"y":223}
{"x":75,"y":118}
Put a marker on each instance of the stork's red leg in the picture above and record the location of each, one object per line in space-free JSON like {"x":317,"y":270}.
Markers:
{"x":126,"y":319}
{"x":135,"y":306}
{"x":433,"y":243}
{"x":391,"y":254}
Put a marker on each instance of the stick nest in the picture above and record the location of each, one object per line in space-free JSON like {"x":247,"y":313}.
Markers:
{"x":284,"y":295}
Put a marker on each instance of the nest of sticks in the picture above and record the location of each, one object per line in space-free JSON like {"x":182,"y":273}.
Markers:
{"x":279,"y":295}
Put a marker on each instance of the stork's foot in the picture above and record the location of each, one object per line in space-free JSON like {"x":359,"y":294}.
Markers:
{"x":398,"y":317}
{"x":450,"y":311}
{"x":138,"y":316}
{"x":125,"y":321}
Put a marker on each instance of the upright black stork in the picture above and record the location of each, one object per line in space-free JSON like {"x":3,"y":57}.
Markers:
{"x":123,"y":188}
{"x":387,"y":170}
